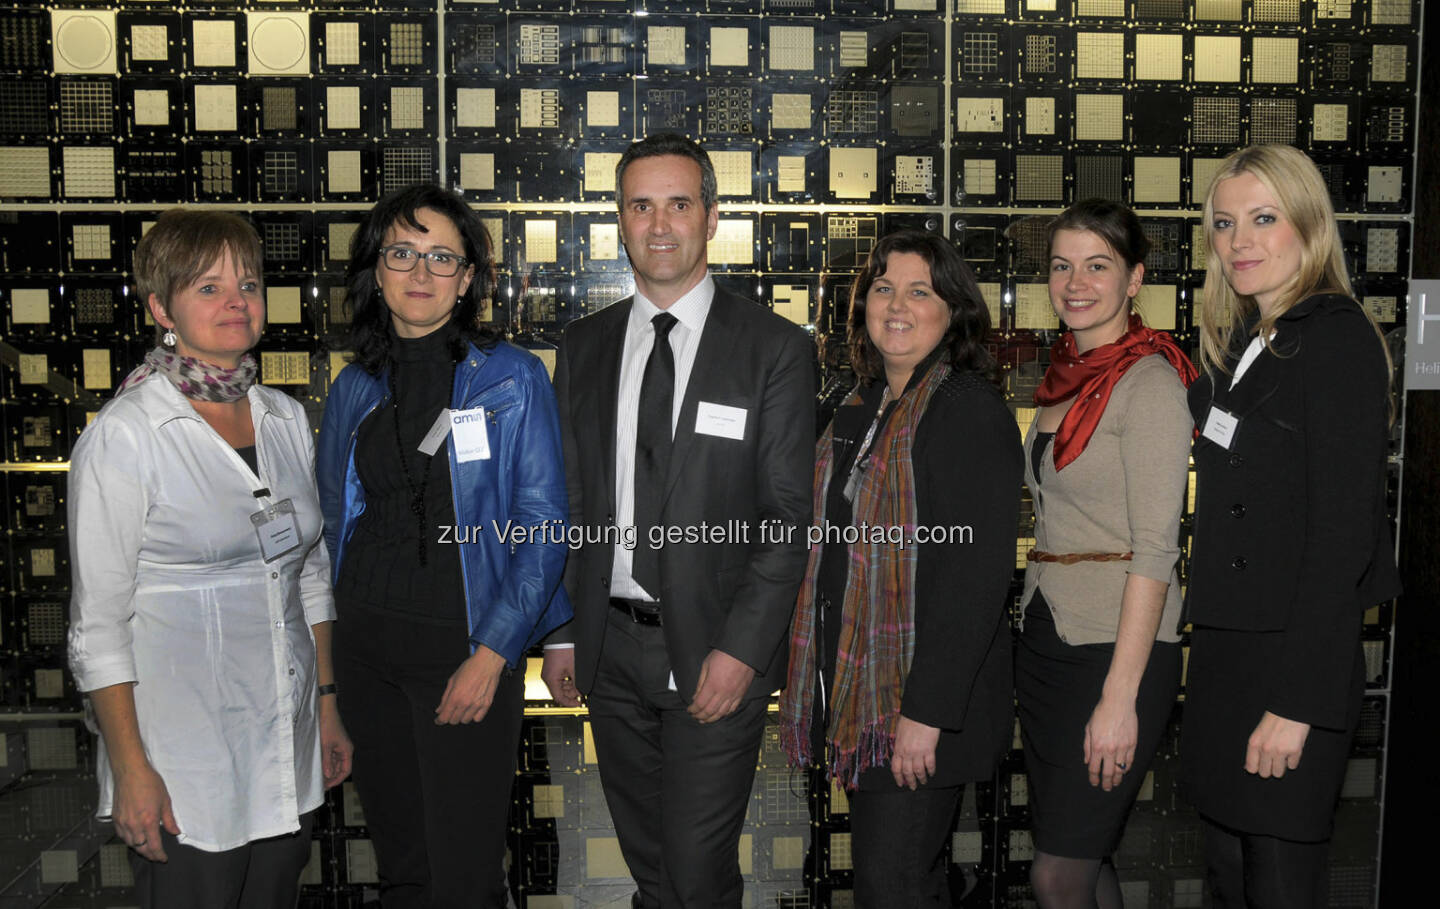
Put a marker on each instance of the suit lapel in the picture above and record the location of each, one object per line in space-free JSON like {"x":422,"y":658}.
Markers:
{"x":1260,"y":381}
{"x":611,"y":348}
{"x":716,"y":343}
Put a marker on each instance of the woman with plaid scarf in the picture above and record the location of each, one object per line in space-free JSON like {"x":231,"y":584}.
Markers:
{"x":900,"y":676}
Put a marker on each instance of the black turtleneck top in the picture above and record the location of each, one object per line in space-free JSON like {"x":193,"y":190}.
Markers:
{"x":382,"y":560}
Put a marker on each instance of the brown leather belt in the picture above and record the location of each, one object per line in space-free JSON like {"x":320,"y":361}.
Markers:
{"x":1070,"y":558}
{"x":641,"y":612}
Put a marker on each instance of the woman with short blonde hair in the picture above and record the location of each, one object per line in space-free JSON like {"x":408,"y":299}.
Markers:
{"x":201,"y":615}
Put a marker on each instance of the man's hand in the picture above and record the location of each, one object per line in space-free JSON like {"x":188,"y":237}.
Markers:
{"x":723,"y":683}
{"x":558,"y":671}
{"x":471,"y":689}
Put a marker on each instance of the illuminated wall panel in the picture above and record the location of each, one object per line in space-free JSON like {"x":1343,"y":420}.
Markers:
{"x":831,"y":122}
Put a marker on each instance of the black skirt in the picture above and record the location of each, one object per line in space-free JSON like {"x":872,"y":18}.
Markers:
{"x":1057,"y":686}
{"x":1224,"y":700}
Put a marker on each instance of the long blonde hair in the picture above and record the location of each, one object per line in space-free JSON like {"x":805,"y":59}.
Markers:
{"x":1299,"y":190}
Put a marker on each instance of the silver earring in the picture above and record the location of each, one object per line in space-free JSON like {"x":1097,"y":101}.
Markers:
{"x":168,"y":339}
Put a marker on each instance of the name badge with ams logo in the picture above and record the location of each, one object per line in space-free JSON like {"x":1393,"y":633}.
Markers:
{"x":277,"y":529}
{"x":472,"y":441}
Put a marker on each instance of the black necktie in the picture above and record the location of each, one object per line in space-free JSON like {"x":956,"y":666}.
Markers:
{"x":652,"y":450}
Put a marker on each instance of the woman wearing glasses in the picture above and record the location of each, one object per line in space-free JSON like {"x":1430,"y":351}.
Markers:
{"x":434,"y":438}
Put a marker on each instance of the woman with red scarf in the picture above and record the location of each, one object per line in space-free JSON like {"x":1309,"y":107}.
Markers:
{"x":1098,"y":664}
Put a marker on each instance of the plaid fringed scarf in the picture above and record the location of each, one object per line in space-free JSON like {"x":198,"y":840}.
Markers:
{"x":877,"y":630}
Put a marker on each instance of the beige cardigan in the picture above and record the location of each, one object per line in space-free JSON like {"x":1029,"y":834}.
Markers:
{"x":1124,"y":493}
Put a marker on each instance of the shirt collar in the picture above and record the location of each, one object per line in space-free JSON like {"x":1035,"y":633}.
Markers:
{"x":164,"y":402}
{"x":690,"y":310}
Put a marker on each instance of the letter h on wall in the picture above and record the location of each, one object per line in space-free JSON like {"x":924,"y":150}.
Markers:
{"x":1423,"y":316}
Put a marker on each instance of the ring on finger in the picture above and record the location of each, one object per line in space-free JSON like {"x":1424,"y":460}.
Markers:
{"x":1120,"y":764}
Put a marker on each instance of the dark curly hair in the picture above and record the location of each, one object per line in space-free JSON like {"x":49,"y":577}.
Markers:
{"x":370,"y":317}
{"x":963,"y":344}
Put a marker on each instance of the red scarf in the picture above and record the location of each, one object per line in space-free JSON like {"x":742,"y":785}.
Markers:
{"x":1092,"y":376}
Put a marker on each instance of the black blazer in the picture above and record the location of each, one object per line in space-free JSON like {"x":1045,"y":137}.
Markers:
{"x":1291,"y":533}
{"x":968,"y":469}
{"x":735,"y":596}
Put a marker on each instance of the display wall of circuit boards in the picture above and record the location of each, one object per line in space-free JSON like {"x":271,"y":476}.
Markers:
{"x":830,"y":122}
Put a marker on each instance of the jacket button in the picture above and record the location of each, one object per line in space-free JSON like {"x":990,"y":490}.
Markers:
{"x":605,"y":582}
{"x":1239,"y":563}
{"x":1237,"y":510}
{"x":1236,"y":460}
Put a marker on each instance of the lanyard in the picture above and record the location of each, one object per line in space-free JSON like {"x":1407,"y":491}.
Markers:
{"x":857,"y":467}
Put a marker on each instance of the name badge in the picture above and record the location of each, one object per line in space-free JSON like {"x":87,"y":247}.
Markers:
{"x":720,"y":420}
{"x":1220,"y":426}
{"x":472,"y":442}
{"x":431,"y":443}
{"x":277,"y":529}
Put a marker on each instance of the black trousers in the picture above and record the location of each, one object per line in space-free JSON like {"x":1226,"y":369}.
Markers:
{"x":436,"y":798}
{"x":897,"y":842}
{"x":677,"y":790}
{"x":264,"y":874}
{"x":1250,"y":871}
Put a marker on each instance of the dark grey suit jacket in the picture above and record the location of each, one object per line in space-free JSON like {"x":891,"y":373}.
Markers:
{"x":734,"y":596}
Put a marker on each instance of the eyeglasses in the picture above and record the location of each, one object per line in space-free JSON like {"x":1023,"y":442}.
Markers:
{"x":439,"y":264}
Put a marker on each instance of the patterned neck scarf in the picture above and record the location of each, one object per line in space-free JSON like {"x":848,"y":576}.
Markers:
{"x":196,"y":379}
{"x":877,"y":620}
{"x":1091,"y":377}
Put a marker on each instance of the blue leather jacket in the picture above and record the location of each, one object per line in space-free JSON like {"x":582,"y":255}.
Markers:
{"x":512,"y":590}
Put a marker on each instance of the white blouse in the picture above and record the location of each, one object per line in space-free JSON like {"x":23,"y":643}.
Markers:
{"x":170,"y":591}
{"x":1251,"y":354}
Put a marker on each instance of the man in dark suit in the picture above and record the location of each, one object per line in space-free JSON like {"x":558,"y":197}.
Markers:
{"x":687,"y":418}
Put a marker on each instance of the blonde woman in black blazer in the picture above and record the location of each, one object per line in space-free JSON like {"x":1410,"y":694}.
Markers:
{"x":1291,"y":541}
